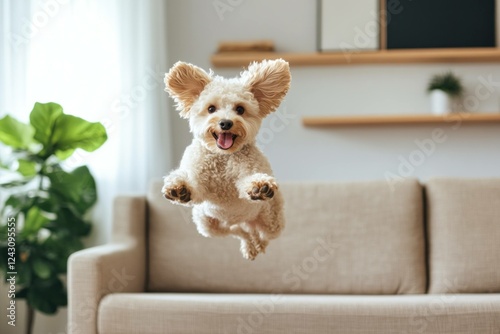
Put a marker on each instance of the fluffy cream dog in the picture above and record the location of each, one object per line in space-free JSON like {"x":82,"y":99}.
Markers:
{"x":223,"y":174}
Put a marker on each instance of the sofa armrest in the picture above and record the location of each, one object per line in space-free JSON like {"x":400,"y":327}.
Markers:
{"x":116,"y":267}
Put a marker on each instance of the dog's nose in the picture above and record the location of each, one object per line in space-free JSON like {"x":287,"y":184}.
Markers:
{"x":225,"y":124}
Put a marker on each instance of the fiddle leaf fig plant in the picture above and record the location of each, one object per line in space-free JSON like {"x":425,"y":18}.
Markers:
{"x":44,"y":205}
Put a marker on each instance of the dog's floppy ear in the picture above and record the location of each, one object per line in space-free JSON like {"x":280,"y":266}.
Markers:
{"x":184,"y":82}
{"x":269,"y":81}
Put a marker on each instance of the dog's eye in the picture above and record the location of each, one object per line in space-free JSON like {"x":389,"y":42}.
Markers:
{"x":240,"y":110}
{"x":211,"y":109}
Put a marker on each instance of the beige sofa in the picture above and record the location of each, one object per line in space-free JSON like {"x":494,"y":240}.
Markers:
{"x":365,"y":257}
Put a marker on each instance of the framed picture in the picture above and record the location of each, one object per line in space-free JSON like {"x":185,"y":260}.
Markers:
{"x":441,"y":24}
{"x":368,"y":25}
{"x":348,"y":25}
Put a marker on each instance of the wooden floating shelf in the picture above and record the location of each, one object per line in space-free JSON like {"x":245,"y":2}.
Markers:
{"x":458,"y":55}
{"x":467,"y":118}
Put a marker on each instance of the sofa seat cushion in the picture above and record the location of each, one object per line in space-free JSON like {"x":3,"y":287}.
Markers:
{"x":340,"y":237}
{"x":464,"y":235}
{"x":246,"y":313}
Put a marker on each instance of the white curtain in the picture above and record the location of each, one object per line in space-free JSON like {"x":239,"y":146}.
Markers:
{"x":13,"y":56}
{"x":103,"y":60}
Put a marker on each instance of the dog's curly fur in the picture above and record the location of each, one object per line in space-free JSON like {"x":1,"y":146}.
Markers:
{"x":223,"y":174}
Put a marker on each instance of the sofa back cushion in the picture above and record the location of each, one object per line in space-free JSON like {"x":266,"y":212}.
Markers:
{"x":464,"y":235}
{"x":344,"y":238}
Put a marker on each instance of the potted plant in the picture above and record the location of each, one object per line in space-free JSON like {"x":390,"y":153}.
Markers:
{"x":45,"y":207}
{"x":443,"y":88}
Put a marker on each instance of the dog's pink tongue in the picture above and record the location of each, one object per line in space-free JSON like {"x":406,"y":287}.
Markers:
{"x":225,"y":140}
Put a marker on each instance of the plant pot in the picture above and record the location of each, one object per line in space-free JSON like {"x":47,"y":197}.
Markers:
{"x":440,"y":102}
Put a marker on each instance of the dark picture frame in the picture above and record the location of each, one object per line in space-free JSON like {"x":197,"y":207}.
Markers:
{"x":424,"y":24}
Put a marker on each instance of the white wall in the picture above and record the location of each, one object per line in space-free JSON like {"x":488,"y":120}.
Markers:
{"x":355,"y":153}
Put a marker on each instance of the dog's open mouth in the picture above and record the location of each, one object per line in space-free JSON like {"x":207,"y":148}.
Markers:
{"x":224,"y":140}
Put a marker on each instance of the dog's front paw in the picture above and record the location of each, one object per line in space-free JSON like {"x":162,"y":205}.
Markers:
{"x":262,"y":190}
{"x":177,"y":193}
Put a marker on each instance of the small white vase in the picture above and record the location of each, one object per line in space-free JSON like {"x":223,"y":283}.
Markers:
{"x":440,"y":102}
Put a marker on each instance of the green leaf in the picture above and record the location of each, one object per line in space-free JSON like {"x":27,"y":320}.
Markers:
{"x":15,"y":133}
{"x":14,"y":204}
{"x":63,"y":155}
{"x":47,"y":295}
{"x":58,"y":247}
{"x":24,"y":272}
{"x":49,"y":204}
{"x":13,"y":184}
{"x":78,"y":187}
{"x":20,"y":203}
{"x":15,"y":200}
{"x":36,"y":299}
{"x":34,"y":222}
{"x":43,"y":118}
{"x":22,"y":294}
{"x":26,"y":167}
{"x":42,"y":269}
{"x":62,"y":134}
{"x":3,"y":236}
{"x":70,"y":222}
{"x":73,"y":132}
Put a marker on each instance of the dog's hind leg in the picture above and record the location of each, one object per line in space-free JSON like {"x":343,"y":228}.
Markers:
{"x":209,"y":226}
{"x":250,"y":241}
{"x":213,"y":227}
{"x":270,"y":222}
